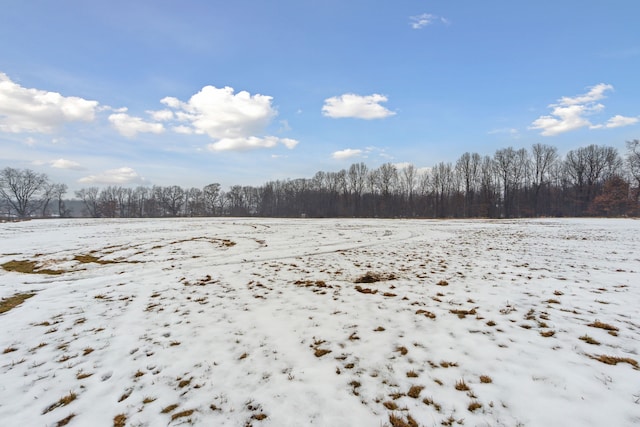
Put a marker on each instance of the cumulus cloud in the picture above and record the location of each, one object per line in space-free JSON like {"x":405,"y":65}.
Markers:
{"x":236,"y":121}
{"x":250,"y":143}
{"x":120,"y":176}
{"x":161,"y":115}
{"x":346,"y":154}
{"x":38,"y":111}
{"x":420,"y":21}
{"x":356,"y":106}
{"x":570,"y":113}
{"x":130,"y":126}
{"x":65,"y":164}
{"x":618,"y":121}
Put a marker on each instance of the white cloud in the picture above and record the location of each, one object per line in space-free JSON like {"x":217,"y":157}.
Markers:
{"x":250,"y":143}
{"x":620,"y":121}
{"x":130,"y":126}
{"x":65,"y":164}
{"x":509,"y":131}
{"x":120,"y":176}
{"x":420,"y":21}
{"x":356,"y":106}
{"x":235,"y":121}
{"x":346,"y":154}
{"x":219,"y":113}
{"x":33,"y":110}
{"x":570,"y":113}
{"x":161,"y":115}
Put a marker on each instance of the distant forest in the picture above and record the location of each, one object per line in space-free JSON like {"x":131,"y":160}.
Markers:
{"x":513,"y":183}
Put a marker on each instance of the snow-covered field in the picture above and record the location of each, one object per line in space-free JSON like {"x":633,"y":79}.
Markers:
{"x":236,"y":322}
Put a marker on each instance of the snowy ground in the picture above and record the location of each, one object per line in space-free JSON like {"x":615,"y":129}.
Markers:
{"x":236,"y":322}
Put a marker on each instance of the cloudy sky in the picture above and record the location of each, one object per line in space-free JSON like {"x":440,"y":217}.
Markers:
{"x":247,"y":91}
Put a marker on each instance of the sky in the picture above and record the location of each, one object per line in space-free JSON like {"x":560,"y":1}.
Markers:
{"x":247,"y":91}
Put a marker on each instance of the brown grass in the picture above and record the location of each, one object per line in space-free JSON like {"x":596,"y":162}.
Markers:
{"x":586,"y":338}
{"x":390,"y":405}
{"x":412,"y":374}
{"x":442,"y":283}
{"x":397,"y":421}
{"x":82,"y":375}
{"x":461,"y":385}
{"x":87,"y":259}
{"x":370,"y":277}
{"x":13,"y":301}
{"x":614,"y":360}
{"x":485,"y":379}
{"x":28,"y":267}
{"x":415,"y":391}
{"x":379,"y":329}
{"x":366,"y":290}
{"x":182,"y":414}
{"x":63,"y":422}
{"x":547,"y":334}
{"x":429,"y":401}
{"x":463,"y":313}
{"x":474,"y":405}
{"x":259,"y":417}
{"x":426,"y":313}
{"x":64,"y":401}
{"x":319,"y":352}
{"x":446,"y":364}
{"x":605,"y":326}
{"x":402,"y":350}
{"x":9,"y":350}
{"x":491,"y":323}
{"x":169,"y":408}
{"x":148,"y":400}
{"x":119,"y":420}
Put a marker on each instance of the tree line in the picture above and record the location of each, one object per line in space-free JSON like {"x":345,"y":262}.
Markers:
{"x":589,"y":181}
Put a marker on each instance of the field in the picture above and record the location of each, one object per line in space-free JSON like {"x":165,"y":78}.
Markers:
{"x":267,"y":322}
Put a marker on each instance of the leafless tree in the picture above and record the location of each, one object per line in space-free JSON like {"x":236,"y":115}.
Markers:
{"x":22,"y":190}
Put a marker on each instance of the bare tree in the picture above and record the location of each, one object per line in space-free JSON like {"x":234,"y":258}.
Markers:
{"x":22,"y":190}
{"x":544,"y":157}
{"x":89,"y":197}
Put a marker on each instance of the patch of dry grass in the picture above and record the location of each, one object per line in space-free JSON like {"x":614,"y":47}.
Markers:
{"x":319,"y":352}
{"x":547,"y":334}
{"x":399,"y":421}
{"x":600,"y":325}
{"x":182,"y":414}
{"x":485,"y":379}
{"x":474,"y":406}
{"x":119,"y":420}
{"x":63,"y":401}
{"x":589,"y":340}
{"x":415,"y":391}
{"x":430,"y":402}
{"x":442,"y":283}
{"x":461,"y":385}
{"x":13,"y":301}
{"x":426,"y":313}
{"x":87,"y":259}
{"x":370,"y":277}
{"x":412,"y":374}
{"x":614,"y":360}
{"x":63,"y":422}
{"x":169,"y":408}
{"x":28,"y":267}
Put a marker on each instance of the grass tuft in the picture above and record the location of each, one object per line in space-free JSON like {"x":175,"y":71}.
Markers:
{"x":614,"y":360}
{"x":119,"y":420}
{"x":461,"y":385}
{"x":182,"y":414}
{"x":169,"y":408}
{"x":547,"y":334}
{"x":474,"y":405}
{"x":586,"y":338}
{"x":415,"y":391}
{"x":397,"y":421}
{"x":63,"y":422}
{"x":485,"y":379}
{"x":63,"y":401}
{"x":605,"y":326}
{"x":442,"y":283}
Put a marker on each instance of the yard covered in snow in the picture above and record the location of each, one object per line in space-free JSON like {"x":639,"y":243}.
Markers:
{"x":336,"y":322}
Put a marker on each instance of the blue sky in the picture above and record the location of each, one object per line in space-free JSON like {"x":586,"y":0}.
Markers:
{"x":242,"y":92}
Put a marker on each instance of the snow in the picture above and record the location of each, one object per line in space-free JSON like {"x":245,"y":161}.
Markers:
{"x":225,"y":317}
